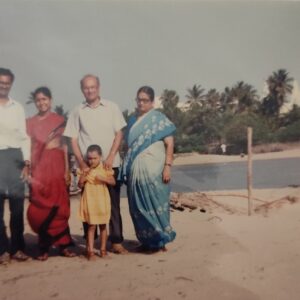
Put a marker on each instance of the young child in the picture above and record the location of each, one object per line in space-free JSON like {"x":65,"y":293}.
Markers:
{"x":95,"y":201}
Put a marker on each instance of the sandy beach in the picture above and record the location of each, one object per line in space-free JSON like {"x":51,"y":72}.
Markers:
{"x":219,"y":254}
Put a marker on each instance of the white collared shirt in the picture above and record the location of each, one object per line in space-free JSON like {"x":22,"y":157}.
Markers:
{"x":96,"y":125}
{"x":13,"y":128}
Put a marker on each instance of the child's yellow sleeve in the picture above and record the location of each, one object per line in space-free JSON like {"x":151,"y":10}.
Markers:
{"x":110,"y":172}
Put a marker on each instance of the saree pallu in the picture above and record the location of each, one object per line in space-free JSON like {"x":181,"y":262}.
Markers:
{"x":49,"y":208}
{"x":147,"y":194}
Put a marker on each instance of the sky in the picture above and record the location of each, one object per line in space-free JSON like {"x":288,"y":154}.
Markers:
{"x":165,"y":44}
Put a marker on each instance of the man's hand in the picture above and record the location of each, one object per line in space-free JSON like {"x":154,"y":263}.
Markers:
{"x":84,"y":168}
{"x":25,"y":173}
{"x":67,"y":177}
{"x":108,"y":163}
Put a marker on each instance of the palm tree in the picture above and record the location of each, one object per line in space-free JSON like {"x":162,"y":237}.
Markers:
{"x":169,"y":100}
{"x":246,"y":96}
{"x":30,"y":98}
{"x":280,"y":85}
{"x":213,"y":99}
{"x":195,"y":94}
{"x":239,"y":98}
{"x":228,"y":101}
{"x":59,"y":109}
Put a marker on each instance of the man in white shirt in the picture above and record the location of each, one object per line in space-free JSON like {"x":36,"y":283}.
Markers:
{"x":14,"y":164}
{"x":98,"y":121}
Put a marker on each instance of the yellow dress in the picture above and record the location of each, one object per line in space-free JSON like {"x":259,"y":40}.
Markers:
{"x":95,"y":204}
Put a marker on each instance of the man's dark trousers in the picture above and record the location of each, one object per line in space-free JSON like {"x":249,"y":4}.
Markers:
{"x":12,"y":188}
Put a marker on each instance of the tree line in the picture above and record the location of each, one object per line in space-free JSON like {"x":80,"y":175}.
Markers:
{"x":212,"y":118}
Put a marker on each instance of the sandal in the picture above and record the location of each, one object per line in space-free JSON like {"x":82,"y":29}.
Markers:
{"x":43,"y":257}
{"x":20,"y":256}
{"x":91,"y":256}
{"x":67,"y":253}
{"x":104,"y":254}
{"x":118,"y":249}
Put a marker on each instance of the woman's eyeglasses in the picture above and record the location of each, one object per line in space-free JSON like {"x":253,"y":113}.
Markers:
{"x":142,"y":100}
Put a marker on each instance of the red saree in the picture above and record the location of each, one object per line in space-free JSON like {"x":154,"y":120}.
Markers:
{"x":49,"y":208}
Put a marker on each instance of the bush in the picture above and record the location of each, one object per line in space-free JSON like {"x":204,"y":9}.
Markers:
{"x":290,"y":133}
{"x":236,"y":132}
{"x":186,"y":144}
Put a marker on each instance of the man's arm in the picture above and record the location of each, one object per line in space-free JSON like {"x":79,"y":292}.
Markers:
{"x":25,"y":144}
{"x":72,"y":131}
{"x":76,"y":150}
{"x":108,"y":163}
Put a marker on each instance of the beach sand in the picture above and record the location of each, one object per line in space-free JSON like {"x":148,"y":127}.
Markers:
{"x":220,"y":254}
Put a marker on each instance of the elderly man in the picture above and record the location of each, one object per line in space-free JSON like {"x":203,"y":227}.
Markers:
{"x":99,"y":121}
{"x":14,"y":164}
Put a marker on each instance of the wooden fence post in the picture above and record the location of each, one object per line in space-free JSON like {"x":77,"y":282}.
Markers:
{"x":249,"y":170}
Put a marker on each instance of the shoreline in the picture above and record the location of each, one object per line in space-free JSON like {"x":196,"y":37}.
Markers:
{"x":196,"y":158}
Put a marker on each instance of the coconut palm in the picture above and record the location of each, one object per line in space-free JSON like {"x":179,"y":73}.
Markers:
{"x":228,"y":101}
{"x":59,"y":109}
{"x":213,"y":99}
{"x":169,"y":100}
{"x":239,"y":98}
{"x":246,"y":96}
{"x":195,"y":94}
{"x":280,"y":85}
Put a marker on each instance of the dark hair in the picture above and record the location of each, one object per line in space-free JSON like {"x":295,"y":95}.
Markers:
{"x":7,"y":72}
{"x":147,"y":90}
{"x":44,"y":90}
{"x":95,"y":148}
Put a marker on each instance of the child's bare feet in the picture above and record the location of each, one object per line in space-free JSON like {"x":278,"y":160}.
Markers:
{"x":104,"y":254}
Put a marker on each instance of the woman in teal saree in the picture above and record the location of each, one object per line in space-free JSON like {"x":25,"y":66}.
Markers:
{"x":147,"y":171}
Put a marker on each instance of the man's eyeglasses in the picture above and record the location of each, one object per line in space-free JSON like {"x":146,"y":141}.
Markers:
{"x":141,"y":100}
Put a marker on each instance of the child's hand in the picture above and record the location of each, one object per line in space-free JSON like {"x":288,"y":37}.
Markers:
{"x":100,"y":179}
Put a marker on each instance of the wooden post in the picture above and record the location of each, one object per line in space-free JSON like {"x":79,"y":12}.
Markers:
{"x":249,"y":172}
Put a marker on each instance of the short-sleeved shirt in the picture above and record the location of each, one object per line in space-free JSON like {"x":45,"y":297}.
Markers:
{"x":13,"y":128}
{"x":96,"y":125}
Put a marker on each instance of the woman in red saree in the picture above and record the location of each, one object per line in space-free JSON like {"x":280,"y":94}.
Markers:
{"x":49,"y":208}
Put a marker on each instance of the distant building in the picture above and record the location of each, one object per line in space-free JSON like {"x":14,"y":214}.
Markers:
{"x":184,"y":106}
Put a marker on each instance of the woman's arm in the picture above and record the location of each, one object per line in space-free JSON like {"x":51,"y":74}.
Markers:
{"x":67,"y":169}
{"x":169,"y":148}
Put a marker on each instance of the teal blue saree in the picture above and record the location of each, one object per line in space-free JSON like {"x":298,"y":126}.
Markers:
{"x":143,"y":165}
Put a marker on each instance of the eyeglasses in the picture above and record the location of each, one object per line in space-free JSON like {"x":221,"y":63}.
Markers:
{"x":5,"y":83}
{"x":141,"y":100}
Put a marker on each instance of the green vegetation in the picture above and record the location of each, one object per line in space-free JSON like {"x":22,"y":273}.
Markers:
{"x":213,"y":117}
